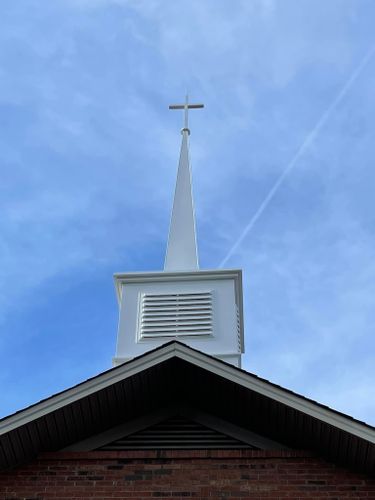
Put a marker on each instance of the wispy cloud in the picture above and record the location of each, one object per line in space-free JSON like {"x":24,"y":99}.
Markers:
{"x":89,"y":154}
{"x":300,"y":152}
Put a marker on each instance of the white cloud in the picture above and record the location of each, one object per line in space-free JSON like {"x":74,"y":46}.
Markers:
{"x":90,"y":154}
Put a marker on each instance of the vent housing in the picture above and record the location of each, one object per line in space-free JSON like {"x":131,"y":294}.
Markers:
{"x":175,"y":314}
{"x":202,"y":309}
{"x":176,"y":433}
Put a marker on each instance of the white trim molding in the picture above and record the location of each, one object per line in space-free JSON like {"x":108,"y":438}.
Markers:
{"x":220,"y":368}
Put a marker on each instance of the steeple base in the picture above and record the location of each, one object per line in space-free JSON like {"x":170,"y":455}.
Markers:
{"x":202,"y":309}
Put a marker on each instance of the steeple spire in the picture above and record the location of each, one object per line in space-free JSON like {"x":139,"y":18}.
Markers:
{"x":182,"y":254}
{"x":202,"y":309}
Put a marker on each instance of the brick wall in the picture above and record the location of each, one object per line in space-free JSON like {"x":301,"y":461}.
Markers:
{"x":180,"y":474}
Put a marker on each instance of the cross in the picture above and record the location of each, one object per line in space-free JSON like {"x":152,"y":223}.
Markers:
{"x":186,"y":107}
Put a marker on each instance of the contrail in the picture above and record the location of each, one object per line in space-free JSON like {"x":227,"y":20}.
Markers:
{"x":300,"y":152}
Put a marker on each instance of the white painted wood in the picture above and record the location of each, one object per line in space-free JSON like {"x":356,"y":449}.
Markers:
{"x":182,"y":254}
{"x":175,"y":315}
{"x":212,"y":298}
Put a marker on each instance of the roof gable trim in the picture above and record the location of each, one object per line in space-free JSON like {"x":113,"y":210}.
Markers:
{"x":220,"y":368}
{"x":279,"y":394}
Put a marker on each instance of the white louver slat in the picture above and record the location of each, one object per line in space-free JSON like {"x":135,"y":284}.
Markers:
{"x":176,"y":314}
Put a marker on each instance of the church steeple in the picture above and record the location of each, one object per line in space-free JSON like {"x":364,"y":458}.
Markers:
{"x":201,"y":308}
{"x":182,"y":253}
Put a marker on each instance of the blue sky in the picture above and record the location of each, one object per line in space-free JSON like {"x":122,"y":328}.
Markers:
{"x":89,"y":155}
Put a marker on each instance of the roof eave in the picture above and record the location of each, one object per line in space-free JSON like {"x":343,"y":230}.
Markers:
{"x":201,"y":360}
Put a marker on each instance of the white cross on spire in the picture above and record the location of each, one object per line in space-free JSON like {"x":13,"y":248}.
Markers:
{"x":186,"y":107}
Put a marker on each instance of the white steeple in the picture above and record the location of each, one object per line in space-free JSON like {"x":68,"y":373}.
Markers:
{"x":200,"y":308}
{"x":182,"y":254}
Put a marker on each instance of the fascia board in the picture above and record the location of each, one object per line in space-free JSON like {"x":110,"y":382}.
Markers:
{"x":69,"y":396}
{"x":277,"y":394}
{"x":198,"y":359}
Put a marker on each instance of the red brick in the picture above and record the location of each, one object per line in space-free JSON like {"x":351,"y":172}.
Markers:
{"x":203,"y":474}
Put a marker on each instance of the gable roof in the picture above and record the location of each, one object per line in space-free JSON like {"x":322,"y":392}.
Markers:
{"x":174,"y":373}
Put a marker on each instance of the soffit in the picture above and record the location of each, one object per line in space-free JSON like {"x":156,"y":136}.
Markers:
{"x":176,"y":373}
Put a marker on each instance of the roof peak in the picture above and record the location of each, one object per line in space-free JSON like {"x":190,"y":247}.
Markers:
{"x":174,"y":367}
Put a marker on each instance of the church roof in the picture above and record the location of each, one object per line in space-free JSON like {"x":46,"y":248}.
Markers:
{"x":175,"y":373}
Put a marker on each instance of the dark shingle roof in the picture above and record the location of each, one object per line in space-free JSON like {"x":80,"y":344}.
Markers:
{"x":176,"y":372}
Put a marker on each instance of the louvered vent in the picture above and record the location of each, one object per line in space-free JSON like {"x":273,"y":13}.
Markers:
{"x":176,"y":433}
{"x":238,"y":329}
{"x":177,"y":314}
